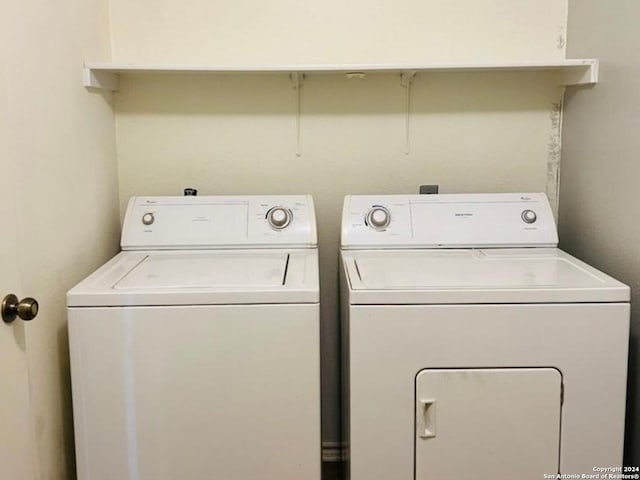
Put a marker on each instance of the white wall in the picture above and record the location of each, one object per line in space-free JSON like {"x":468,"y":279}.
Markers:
{"x":236,"y":134}
{"x":600,"y":168}
{"x":62,"y":146}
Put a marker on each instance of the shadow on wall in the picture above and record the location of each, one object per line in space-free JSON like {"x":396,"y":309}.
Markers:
{"x":327,"y":93}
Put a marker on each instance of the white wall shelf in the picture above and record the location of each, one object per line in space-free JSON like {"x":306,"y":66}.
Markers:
{"x":105,"y":76}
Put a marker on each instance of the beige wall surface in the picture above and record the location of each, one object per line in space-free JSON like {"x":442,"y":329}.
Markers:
{"x":337,"y":31}
{"x":225,"y":134}
{"x":600,"y":168}
{"x":62,"y":148}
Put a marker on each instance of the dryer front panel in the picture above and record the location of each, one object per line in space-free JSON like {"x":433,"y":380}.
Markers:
{"x":504,"y":423}
{"x":387,"y":348}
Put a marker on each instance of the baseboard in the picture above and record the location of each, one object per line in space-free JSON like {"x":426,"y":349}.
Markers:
{"x":332,"y":451}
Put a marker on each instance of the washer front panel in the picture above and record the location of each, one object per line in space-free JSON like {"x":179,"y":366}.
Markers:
{"x":198,"y":393}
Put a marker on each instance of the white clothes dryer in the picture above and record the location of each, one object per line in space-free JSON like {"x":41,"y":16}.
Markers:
{"x":195,"y":351}
{"x":473,"y":347}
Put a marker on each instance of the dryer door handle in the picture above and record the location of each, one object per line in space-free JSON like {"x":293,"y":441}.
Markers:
{"x":426,"y":418}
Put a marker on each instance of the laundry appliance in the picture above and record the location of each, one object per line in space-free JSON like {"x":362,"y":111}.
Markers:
{"x":195,"y":350}
{"x":473,"y":347}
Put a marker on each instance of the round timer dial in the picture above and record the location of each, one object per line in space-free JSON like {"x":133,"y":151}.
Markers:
{"x":378,"y":218}
{"x":279,"y":217}
{"x":148,"y":218}
{"x":529,"y":216}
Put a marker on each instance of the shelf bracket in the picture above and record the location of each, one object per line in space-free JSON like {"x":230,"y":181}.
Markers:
{"x":586,"y":74}
{"x":92,"y":78}
{"x":297,"y":80}
{"x":406,"y":80}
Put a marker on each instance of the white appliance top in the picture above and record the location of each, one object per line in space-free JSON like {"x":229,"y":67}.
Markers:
{"x":210,"y":222}
{"x":207,"y":270}
{"x":209,"y":250}
{"x":475,"y":276}
{"x":448,"y":221}
{"x":201,"y":277}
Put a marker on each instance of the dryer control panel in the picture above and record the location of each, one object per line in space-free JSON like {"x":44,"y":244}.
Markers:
{"x":189,"y":222}
{"x":448,"y":221}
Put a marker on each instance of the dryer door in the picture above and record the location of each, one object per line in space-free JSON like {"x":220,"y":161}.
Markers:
{"x":483,"y":424}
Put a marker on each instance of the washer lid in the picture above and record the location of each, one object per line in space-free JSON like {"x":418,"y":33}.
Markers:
{"x":205,"y":270}
{"x":476,"y":276}
{"x":201,"y":277}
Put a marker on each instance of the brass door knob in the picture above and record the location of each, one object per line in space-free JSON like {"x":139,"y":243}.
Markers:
{"x":26,"y":309}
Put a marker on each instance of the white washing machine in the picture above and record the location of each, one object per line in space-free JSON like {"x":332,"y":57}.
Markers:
{"x":195,"y":351}
{"x":474,"y":348}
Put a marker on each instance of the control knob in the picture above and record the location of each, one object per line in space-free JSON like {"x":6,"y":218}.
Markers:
{"x":279,"y":217}
{"x":378,"y":218}
{"x":529,"y":216}
{"x":148,"y":218}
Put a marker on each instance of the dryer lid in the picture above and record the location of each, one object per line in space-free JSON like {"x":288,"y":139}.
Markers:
{"x":476,"y":276}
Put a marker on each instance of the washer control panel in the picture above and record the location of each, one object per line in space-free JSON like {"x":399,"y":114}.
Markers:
{"x":219,"y":221}
{"x":448,"y":221}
